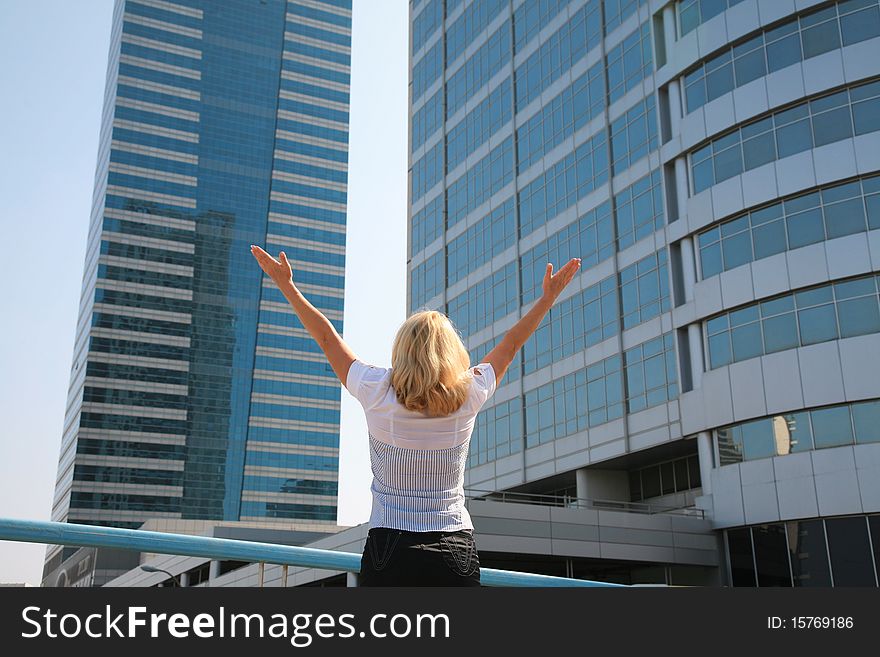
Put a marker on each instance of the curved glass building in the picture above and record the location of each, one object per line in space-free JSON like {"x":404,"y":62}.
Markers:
{"x":716,"y":165}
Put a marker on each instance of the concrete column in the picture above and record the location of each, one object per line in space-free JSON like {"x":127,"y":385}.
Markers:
{"x":695,"y":345}
{"x":704,"y":449}
{"x":214,"y":571}
{"x":688,"y":268}
{"x":674,"y":93}
{"x":183,"y":578}
{"x":669,"y":28}
{"x":596,"y":484}
{"x":681,"y":185}
{"x":351,"y":579}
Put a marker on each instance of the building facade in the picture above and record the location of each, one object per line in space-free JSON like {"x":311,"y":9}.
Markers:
{"x":716,"y":166}
{"x":196,"y":395}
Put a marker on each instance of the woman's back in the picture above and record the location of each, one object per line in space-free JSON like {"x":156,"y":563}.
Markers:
{"x":417,"y":461}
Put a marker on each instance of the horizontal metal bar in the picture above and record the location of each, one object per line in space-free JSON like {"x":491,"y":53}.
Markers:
{"x":63,"y":533}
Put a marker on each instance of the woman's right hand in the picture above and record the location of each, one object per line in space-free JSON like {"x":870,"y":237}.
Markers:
{"x":555,"y":283}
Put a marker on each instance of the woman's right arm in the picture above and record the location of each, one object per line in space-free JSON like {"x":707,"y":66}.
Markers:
{"x":504,"y":352}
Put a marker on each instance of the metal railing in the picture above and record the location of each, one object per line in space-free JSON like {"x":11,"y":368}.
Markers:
{"x":580,"y":502}
{"x":62,"y":533}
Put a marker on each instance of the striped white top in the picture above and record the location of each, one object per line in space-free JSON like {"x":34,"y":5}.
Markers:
{"x":417,"y":461}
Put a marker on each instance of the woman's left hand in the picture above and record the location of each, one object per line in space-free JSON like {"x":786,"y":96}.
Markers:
{"x":278,"y":270}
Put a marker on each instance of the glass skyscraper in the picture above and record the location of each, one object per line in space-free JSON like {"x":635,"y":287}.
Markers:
{"x":196,"y":394}
{"x":715,"y":165}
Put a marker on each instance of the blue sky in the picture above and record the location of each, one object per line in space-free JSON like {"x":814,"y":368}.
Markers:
{"x":53,"y":59}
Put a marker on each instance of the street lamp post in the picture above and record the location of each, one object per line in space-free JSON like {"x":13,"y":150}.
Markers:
{"x":152,"y":569}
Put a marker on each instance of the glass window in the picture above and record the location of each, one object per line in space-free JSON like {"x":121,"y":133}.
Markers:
{"x":845,"y":217}
{"x":780,"y":333}
{"x":757,"y":438}
{"x":710,"y":259}
{"x":728,"y":163}
{"x":635,"y":486}
{"x":694,"y":471}
{"x":858,"y":316}
{"x":719,"y":350}
{"x":783,"y":46}
{"x":681,"y":475}
{"x":651,"y":482}
{"x":866,"y":420}
{"x":831,"y":426}
{"x":749,"y":63}
{"x":771,"y":555}
{"x":719,"y":76}
{"x":860,"y":25}
{"x":820,"y":32}
{"x":769,"y":239}
{"x":667,"y":478}
{"x":794,"y":138}
{"x":737,"y":250}
{"x":800,"y":433}
{"x":759,"y":150}
{"x":805,"y":228}
{"x":742,"y":563}
{"x":850,"y":553}
{"x":746,"y":341}
{"x":817,"y":324}
{"x":832,"y":125}
{"x":809,"y":558}
{"x":866,"y":116}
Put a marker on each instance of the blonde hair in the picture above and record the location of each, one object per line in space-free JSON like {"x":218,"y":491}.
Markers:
{"x":430,"y":364}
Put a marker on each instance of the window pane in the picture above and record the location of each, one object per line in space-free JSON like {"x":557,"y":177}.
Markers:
{"x":794,"y":138}
{"x":800,"y":434}
{"x":832,"y":426}
{"x":681,"y":475}
{"x":710,"y":260}
{"x":759,"y":150}
{"x":832,"y":126}
{"x":769,"y":239}
{"x":771,"y":555}
{"x":780,"y":333}
{"x":728,"y":163}
{"x":784,"y":52}
{"x":635,"y":486}
{"x":694,"y":471}
{"x":719,"y":350}
{"x":860,"y":26}
{"x":820,"y":38}
{"x":866,"y":116}
{"x":737,"y":250}
{"x":758,"y":440}
{"x":667,"y":479}
{"x":809,"y":558}
{"x":858,"y":316}
{"x":742,"y":565}
{"x":746,"y":341}
{"x":817,"y":324}
{"x":851,"y":561}
{"x":703,"y":176}
{"x":651,"y":482}
{"x":872,"y":205}
{"x":866,"y":418}
{"x":845,"y":218}
{"x":750,"y":67}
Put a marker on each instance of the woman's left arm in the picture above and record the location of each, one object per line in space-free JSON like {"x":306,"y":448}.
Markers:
{"x":338,"y":353}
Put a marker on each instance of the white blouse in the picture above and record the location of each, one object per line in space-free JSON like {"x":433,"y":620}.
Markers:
{"x":417,"y":461}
